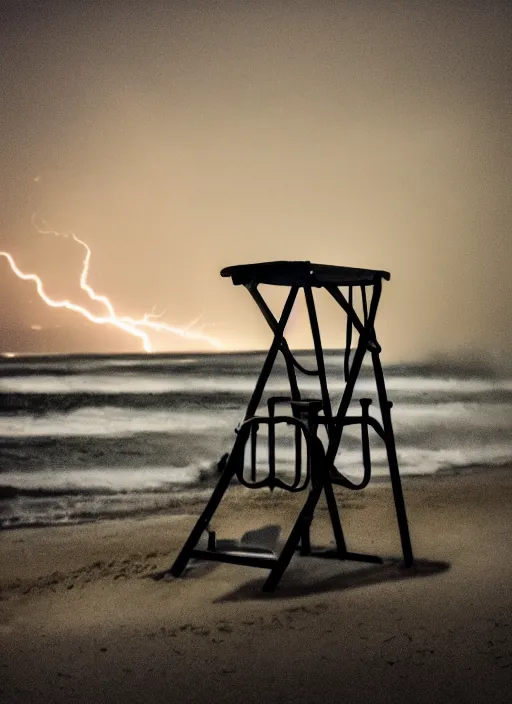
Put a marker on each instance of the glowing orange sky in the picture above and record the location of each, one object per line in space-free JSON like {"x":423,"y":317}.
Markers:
{"x":178,"y":139}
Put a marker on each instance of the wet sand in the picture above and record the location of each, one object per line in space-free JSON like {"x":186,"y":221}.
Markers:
{"x":83,"y":619}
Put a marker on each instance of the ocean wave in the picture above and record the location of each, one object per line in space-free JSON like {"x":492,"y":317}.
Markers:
{"x":104,"y":480}
{"x":220,"y":362}
{"x":37,"y":503}
{"x":455,"y":415}
{"x":115,"y":421}
{"x":110,"y":437}
{"x":118,"y":385}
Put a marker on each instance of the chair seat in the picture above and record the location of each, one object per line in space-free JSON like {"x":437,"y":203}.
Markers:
{"x":302,"y":274}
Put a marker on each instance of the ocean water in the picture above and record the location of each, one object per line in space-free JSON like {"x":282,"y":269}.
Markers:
{"x":94,"y":437}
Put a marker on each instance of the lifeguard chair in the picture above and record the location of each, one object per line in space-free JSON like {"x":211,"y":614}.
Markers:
{"x":316,"y":471}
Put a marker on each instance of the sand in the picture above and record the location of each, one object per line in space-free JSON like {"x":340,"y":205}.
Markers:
{"x":82,"y":618}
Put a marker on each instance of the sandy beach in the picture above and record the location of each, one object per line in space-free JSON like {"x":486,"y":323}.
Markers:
{"x":83,"y":618}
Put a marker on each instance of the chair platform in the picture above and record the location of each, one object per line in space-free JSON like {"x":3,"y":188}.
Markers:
{"x":283,"y":273}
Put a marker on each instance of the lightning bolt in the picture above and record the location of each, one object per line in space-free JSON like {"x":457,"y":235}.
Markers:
{"x":136,"y":327}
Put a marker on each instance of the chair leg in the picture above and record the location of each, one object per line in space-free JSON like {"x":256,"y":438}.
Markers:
{"x":396,"y":483}
{"x":204,"y":519}
{"x":398,"y":496}
{"x":291,"y":544}
{"x":339,"y":538}
{"x":305,"y":538}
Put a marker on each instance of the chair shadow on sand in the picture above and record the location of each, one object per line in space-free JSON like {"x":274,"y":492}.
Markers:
{"x":308,"y":575}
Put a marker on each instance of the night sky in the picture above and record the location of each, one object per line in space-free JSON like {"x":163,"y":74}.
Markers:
{"x":179,"y":138}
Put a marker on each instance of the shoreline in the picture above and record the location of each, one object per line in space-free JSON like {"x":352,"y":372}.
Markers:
{"x":240,"y":508}
{"x":183,"y":502}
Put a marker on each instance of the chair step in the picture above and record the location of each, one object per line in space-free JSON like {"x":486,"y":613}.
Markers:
{"x":238,"y":557}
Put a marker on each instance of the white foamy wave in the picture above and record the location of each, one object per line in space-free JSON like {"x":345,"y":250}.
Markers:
{"x":440,"y":384}
{"x":118,"y":421}
{"x":151,"y":383}
{"x":108,"y":480}
{"x":469,"y":415}
{"x":415,"y":461}
{"x":412,"y":460}
{"x":115,"y":422}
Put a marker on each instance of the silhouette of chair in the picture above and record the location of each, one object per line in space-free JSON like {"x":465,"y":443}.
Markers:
{"x":318,"y":472}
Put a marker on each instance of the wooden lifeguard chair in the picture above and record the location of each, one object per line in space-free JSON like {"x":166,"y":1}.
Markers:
{"x":317,"y":473}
